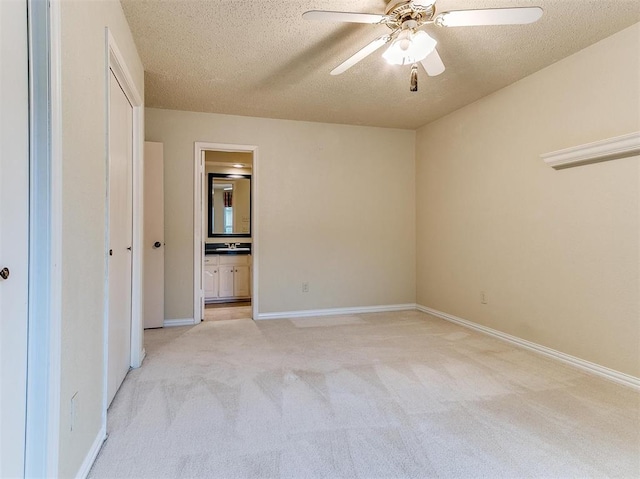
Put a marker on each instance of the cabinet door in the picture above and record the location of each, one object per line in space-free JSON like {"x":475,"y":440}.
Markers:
{"x":225,"y":283}
{"x":241,"y":281}
{"x":210,"y":282}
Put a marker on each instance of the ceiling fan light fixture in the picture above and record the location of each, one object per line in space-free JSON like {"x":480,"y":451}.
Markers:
{"x":409,"y":47}
{"x":423,"y":44}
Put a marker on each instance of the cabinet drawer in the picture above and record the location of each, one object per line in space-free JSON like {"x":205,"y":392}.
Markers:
{"x":211,"y":259}
{"x":235,"y":259}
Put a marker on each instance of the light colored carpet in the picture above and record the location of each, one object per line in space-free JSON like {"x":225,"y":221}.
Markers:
{"x":385,"y":395}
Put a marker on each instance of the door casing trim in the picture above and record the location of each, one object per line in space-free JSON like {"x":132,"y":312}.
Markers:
{"x":198,"y":234}
{"x":45,"y":240}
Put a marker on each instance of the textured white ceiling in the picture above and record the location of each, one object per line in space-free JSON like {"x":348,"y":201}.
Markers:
{"x":260,"y":58}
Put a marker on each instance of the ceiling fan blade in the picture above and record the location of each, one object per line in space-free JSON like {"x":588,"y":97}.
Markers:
{"x":361,"y":54}
{"x":490,"y":16}
{"x":327,"y":16}
{"x":433,"y":64}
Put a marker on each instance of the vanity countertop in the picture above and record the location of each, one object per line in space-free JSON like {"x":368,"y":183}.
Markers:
{"x":223,"y":248}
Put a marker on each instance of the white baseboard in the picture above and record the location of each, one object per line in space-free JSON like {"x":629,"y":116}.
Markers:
{"x":337,"y":311}
{"x":143,"y":355}
{"x":170,"y":323}
{"x":593,"y":368}
{"x":92,"y":454}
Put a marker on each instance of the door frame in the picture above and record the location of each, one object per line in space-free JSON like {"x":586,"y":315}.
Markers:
{"x":198,"y":231}
{"x":45,"y":239}
{"x":115,"y":62}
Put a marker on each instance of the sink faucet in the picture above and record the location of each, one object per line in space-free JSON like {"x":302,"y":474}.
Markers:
{"x":227,"y":245}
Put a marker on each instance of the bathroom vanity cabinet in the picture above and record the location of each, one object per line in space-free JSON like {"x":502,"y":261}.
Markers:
{"x":227,"y":277}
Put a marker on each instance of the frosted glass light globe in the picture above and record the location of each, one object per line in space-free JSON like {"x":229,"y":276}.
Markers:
{"x":409,"y":47}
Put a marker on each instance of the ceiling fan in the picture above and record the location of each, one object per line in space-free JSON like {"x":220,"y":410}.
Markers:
{"x":410,"y":44}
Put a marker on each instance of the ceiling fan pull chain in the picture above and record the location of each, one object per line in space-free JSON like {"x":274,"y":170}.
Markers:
{"x":414,"y":77}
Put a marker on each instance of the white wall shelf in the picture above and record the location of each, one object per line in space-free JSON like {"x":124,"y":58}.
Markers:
{"x":604,"y":150}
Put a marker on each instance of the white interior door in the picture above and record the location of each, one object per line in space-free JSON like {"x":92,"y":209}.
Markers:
{"x":153,"y":235}
{"x":14,"y":231}
{"x":120,"y":236}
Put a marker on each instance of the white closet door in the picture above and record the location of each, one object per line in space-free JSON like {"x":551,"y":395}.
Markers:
{"x":120,"y":236}
{"x":14,"y":239}
{"x":153,"y":235}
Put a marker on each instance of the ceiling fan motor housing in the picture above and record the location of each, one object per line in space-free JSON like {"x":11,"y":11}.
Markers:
{"x":401,"y":11}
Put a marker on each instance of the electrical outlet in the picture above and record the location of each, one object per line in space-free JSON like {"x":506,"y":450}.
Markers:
{"x":305,"y":286}
{"x":483,"y":297}
{"x":72,"y":411}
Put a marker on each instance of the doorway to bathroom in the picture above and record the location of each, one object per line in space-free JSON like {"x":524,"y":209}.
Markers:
{"x":225,"y":233}
{"x":227,"y":311}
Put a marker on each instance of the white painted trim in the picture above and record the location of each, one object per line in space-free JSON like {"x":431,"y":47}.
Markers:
{"x":171,"y":323}
{"x":119,"y":66}
{"x":137,"y":287}
{"x":92,"y":454}
{"x":596,"y":369}
{"x":105,"y":319}
{"x":336,"y":311}
{"x":198,"y":238}
{"x":604,"y":150}
{"x":43,"y":378}
{"x":55,"y":288}
{"x":255,"y":244}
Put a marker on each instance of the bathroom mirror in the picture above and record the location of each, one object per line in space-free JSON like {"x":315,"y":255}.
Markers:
{"x":229,"y":205}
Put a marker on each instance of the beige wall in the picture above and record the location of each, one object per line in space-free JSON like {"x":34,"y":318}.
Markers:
{"x":324,"y":211}
{"x":83,"y":202}
{"x":557,"y":252}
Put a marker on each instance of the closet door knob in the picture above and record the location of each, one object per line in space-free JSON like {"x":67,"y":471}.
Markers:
{"x":157,"y":244}
{"x":4,"y":273}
